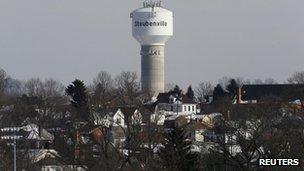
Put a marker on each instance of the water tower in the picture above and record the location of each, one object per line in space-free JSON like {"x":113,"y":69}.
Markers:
{"x":152,"y":27}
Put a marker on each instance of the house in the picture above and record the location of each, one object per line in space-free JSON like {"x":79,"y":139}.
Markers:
{"x":195,"y":130}
{"x":213,"y":135}
{"x":50,"y":160}
{"x":157,"y":118}
{"x":211,"y":120}
{"x":108,"y":118}
{"x":132,"y":115}
{"x":36,"y":136}
{"x":175,"y":121}
{"x":256,"y":93}
{"x":200,"y":125}
{"x":136,"y":118}
{"x":116,"y":120}
{"x":173,"y":103}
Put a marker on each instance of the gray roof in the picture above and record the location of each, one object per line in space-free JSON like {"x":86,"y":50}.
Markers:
{"x":285,"y":92}
{"x":165,"y":98}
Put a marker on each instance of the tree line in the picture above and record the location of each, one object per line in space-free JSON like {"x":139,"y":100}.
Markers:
{"x":49,"y":103}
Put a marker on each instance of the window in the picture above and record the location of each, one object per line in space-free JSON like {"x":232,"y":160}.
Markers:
{"x":189,"y":108}
{"x":171,"y":108}
{"x":118,"y":121}
{"x":193,"y":108}
{"x":185,"y":108}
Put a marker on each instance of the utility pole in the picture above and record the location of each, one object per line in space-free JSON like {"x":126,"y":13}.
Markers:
{"x":15,"y":155}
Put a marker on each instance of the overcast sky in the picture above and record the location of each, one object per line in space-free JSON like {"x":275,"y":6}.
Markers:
{"x":68,"y":39}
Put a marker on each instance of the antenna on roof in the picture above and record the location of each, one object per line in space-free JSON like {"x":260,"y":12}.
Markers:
{"x":152,"y":4}
{"x":159,"y":4}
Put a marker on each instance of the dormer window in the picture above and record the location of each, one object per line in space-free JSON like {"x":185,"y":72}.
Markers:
{"x":173,"y":99}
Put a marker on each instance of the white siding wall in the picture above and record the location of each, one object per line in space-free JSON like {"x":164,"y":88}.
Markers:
{"x":182,"y":108}
{"x":136,"y":118}
{"x":189,"y":108}
{"x":119,"y":119}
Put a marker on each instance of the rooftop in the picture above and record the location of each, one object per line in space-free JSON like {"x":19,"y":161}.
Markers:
{"x":289,"y":92}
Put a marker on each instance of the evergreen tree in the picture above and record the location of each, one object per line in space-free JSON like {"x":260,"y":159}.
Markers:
{"x":190,"y":93}
{"x":232,"y":87}
{"x":177,"y":90}
{"x":218,"y":92}
{"x":79,"y":100}
{"x":176,"y":154}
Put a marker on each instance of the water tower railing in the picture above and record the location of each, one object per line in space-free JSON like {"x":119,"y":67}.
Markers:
{"x":152,"y":4}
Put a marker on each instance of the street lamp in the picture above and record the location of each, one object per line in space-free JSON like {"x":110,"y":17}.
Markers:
{"x":14,"y":143}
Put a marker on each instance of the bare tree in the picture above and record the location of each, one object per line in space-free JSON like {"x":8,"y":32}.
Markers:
{"x":50,"y":95}
{"x":128,"y":88}
{"x":105,"y":80}
{"x":270,"y":81}
{"x":241,"y":81}
{"x":13,"y":88}
{"x":296,"y":78}
{"x":257,"y":81}
{"x":43,"y":89}
{"x":103,"y":87}
{"x":54,"y":99}
{"x":33,"y":87}
{"x":203,"y":89}
{"x":241,"y":145}
{"x":169,"y":86}
{"x":131,"y":99}
{"x":225,"y":81}
{"x":266,"y":81}
{"x":53,"y":88}
{"x":3,"y":80}
{"x":263,"y":131}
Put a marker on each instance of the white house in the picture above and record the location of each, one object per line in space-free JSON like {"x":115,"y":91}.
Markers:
{"x":208,"y":119}
{"x":172,"y":103}
{"x":158,"y":118}
{"x":136,"y":118}
{"x":109,"y":118}
{"x":118,"y":119}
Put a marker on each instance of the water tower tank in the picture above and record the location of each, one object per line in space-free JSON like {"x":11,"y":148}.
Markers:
{"x":152,"y":26}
